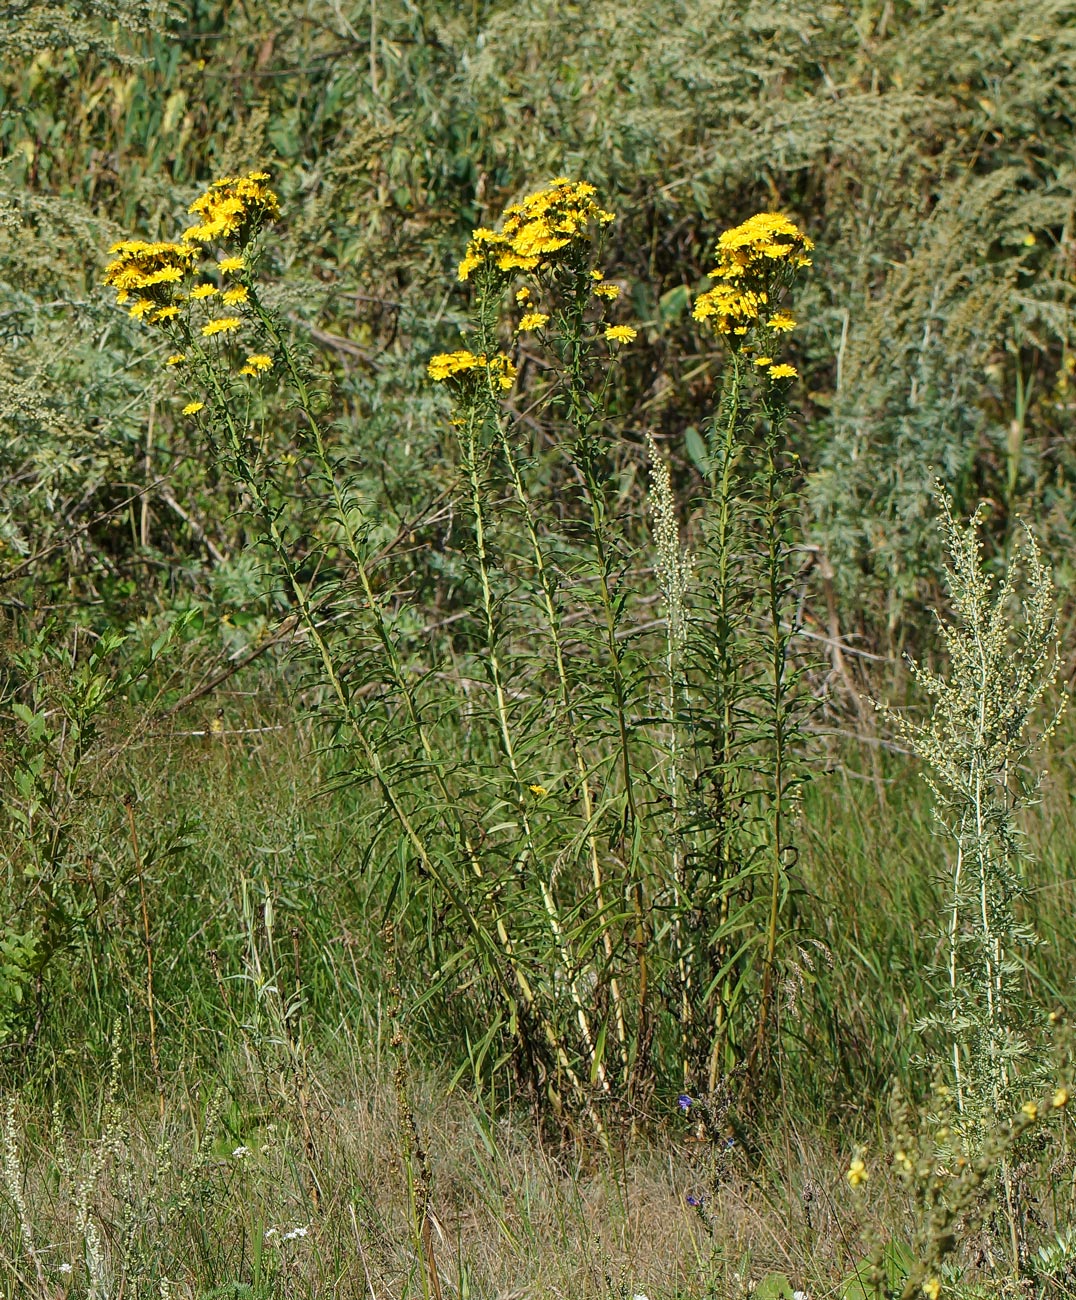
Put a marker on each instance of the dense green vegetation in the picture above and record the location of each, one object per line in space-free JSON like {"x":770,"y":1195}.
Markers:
{"x":413,"y":784}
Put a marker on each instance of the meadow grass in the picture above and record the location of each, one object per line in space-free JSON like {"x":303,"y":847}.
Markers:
{"x":514,"y":1211}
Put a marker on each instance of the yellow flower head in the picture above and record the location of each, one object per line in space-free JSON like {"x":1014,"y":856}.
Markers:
{"x":857,"y":1172}
{"x":192,"y":408}
{"x":607,"y":290}
{"x":239,"y":294}
{"x":1030,"y":1111}
{"x":782,"y":322}
{"x":259,"y":362}
{"x":538,"y":791}
{"x":763,"y":361}
{"x":235,"y":207}
{"x":620,"y":333}
{"x":203,"y":291}
{"x":175,"y":359}
{"x":1060,"y":1099}
{"x":150,"y":270}
{"x":523,"y":295}
{"x":932,"y":1288}
{"x":783,"y":371}
{"x":536,"y":231}
{"x":165,"y":313}
{"x":140,"y":308}
{"x":533,"y":320}
{"x":222,"y":325}
{"x":229,"y":265}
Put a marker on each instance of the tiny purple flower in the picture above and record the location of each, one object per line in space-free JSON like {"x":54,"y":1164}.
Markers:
{"x":694,"y":1201}
{"x":684,"y":1101}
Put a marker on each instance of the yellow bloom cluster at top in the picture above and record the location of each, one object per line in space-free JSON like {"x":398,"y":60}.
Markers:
{"x":233,"y":206}
{"x":536,"y":231}
{"x":756,"y":262}
{"x":153,"y":272}
{"x":455,"y":365}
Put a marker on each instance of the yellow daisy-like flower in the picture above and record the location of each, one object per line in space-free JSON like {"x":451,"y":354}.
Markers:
{"x":174,"y":359}
{"x":763,"y":361}
{"x":620,"y":333}
{"x":165,"y":313}
{"x":607,"y":290}
{"x":204,"y":291}
{"x":229,"y":265}
{"x":534,"y":320}
{"x":259,"y":361}
{"x":192,"y":408}
{"x":783,"y":371}
{"x":782,"y":322}
{"x":239,"y":294}
{"x":857,"y":1172}
{"x":222,"y":325}
{"x":523,"y":295}
{"x":142,"y":306}
{"x":1061,"y":1098}
{"x":932,"y":1288}
{"x":1030,"y":1111}
{"x":538,"y":791}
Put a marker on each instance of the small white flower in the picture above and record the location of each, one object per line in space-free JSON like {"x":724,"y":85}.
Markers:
{"x":800,"y":1295}
{"x":295,"y":1232}
{"x":270,"y":1232}
{"x":240,"y":1153}
{"x":65,"y":1268}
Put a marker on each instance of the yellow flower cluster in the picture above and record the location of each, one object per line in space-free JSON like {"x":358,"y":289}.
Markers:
{"x":454,"y":365}
{"x":756,"y":261}
{"x":256,"y":364}
{"x":149,"y":270}
{"x":233,"y":206}
{"x":222,"y":325}
{"x":535,"y":232}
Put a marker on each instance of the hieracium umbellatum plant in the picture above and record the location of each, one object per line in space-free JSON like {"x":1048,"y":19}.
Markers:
{"x":572,"y":823}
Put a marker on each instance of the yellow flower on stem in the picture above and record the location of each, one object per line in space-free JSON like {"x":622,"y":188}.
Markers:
{"x":607,"y":290}
{"x":192,"y":408}
{"x":857,"y":1172}
{"x":782,"y":322}
{"x":1061,"y":1098}
{"x":620,"y":333}
{"x":783,"y":371}
{"x":228,"y":265}
{"x":534,"y":320}
{"x":174,"y":359}
{"x":204,"y":291}
{"x":239,"y":294}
